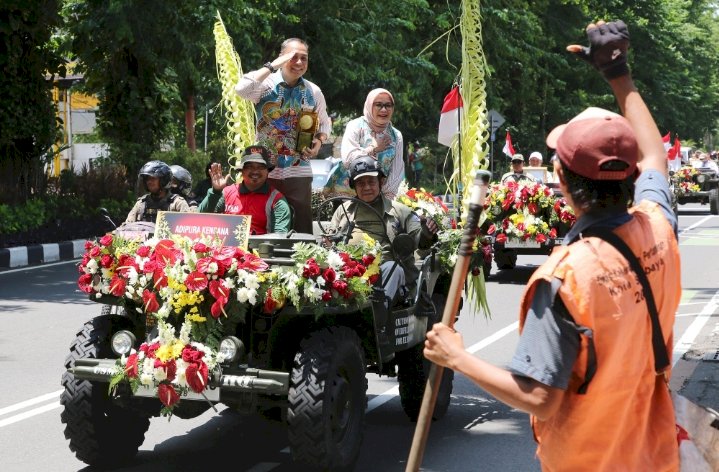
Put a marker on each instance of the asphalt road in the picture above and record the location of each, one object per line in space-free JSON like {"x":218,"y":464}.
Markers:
{"x":40,"y":311}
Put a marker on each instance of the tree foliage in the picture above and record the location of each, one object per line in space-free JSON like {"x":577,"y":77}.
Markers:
{"x":28,"y":127}
{"x":151,"y":63}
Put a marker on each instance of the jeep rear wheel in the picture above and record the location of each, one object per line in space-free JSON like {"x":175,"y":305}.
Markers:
{"x":327,"y":400}
{"x":413,"y":369}
{"x":714,"y":201}
{"x":505,"y":258}
{"x":100,"y":432}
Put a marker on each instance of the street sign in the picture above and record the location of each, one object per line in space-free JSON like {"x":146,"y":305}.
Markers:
{"x":495,"y":120}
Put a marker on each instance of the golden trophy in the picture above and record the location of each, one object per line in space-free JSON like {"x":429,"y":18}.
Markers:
{"x":307,"y":127}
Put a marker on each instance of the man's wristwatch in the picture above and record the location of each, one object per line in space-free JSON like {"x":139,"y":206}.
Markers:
{"x":269,"y":66}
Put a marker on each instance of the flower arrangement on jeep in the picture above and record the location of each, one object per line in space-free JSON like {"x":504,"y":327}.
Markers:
{"x":426,"y":205}
{"x":205,"y":289}
{"x":527,"y":211}
{"x":683,"y":180}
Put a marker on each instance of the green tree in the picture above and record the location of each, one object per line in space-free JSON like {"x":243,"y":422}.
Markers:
{"x":28,"y":125}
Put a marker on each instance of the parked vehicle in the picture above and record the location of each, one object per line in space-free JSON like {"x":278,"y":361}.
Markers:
{"x":692,"y":185}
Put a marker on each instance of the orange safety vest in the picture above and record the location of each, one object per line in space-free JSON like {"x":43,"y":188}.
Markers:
{"x":256,"y":204}
{"x":625,"y":419}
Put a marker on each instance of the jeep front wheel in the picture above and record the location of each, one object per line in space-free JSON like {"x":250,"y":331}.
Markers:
{"x":714,"y":201}
{"x":327,"y":400}
{"x":100,"y":432}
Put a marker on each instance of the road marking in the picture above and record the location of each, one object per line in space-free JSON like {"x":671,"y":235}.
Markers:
{"x":700,"y":222}
{"x":41,"y":266}
{"x":685,"y":342}
{"x":32,"y":401}
{"x":29,"y":414}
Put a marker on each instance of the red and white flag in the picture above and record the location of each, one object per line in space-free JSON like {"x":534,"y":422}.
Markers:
{"x":675,"y":150}
{"x":666,"y":139}
{"x":508,"y":149}
{"x":449,"y":119}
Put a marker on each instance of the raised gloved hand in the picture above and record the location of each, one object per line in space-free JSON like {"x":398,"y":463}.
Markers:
{"x":607,"y":51}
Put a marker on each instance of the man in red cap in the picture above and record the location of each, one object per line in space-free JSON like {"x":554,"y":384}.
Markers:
{"x":584,"y":368}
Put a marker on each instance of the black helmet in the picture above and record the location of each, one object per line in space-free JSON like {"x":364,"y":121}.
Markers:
{"x":364,"y":165}
{"x":183,"y":180}
{"x":156,"y":169}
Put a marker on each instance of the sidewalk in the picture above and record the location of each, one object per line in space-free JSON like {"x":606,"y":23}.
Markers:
{"x":41,"y":253}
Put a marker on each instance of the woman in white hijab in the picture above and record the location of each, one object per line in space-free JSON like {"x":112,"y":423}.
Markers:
{"x":372,"y":135}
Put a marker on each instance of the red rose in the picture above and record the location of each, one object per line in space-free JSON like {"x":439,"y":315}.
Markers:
{"x":368,"y":259}
{"x":475,"y":271}
{"x":373,"y":279}
{"x":85,"y":283}
{"x":149,"y":349}
{"x":117,"y":286}
{"x":340,"y":286}
{"x":89,"y":245}
{"x":167,"y":394}
{"x":311,"y":269}
{"x":149,"y":301}
{"x":95,"y":251}
{"x":106,"y":240}
{"x":501,"y":238}
{"x":200,"y":247}
{"x":196,"y":375}
{"x":131,"y":369}
{"x":192,"y":355}
{"x":106,"y":261}
{"x":143,"y":251}
{"x":329,"y":275}
{"x":326,"y":296}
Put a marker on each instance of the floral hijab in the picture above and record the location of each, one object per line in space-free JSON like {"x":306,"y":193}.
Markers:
{"x":368,"y":109}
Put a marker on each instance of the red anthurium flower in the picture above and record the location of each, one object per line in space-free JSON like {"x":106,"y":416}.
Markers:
{"x":196,"y":281}
{"x":167,"y":394}
{"x":85,"y":283}
{"x":196,"y":375}
{"x":219,"y":289}
{"x":501,"y":238}
{"x":106,"y":240}
{"x":218,"y":307}
{"x":509,"y":199}
{"x":553,"y":233}
{"x":200,"y":247}
{"x":540,"y":238}
{"x":124,"y":263}
{"x":131,"y":369}
{"x":491,"y":229}
{"x":166,"y":252}
{"x":170,"y":368}
{"x":270,"y":303}
{"x":149,"y":301}
{"x":159,"y":279}
{"x":520,"y":226}
{"x":117,"y":286}
{"x":533,"y":209}
{"x":326,"y":296}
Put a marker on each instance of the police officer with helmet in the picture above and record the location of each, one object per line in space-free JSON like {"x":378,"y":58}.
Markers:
{"x":181,"y":184}
{"x":156,"y":177}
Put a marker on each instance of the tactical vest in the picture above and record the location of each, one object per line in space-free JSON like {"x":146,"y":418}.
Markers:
{"x":623,"y":418}
{"x":149,"y":206}
{"x":257,"y":205}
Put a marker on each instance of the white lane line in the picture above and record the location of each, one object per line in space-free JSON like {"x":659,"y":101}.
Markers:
{"x":384,"y":397}
{"x":32,"y":401}
{"x":41,"y":266}
{"x":685,"y":342}
{"x":700,"y":222}
{"x":29,"y":414}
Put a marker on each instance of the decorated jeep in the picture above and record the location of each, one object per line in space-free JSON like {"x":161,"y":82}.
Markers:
{"x":289,"y":327}
{"x":690,"y":184}
{"x":525,"y":218}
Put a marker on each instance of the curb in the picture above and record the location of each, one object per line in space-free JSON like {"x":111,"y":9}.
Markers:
{"x":41,"y":253}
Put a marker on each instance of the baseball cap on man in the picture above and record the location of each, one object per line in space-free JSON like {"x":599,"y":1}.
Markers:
{"x":597,"y":144}
{"x":536,"y":154}
{"x":258,"y":154}
{"x":518,"y":157}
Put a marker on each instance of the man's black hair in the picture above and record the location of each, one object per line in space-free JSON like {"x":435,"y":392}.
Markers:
{"x":599,"y":196}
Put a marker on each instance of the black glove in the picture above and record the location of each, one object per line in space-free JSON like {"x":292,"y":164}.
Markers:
{"x":607,"y":51}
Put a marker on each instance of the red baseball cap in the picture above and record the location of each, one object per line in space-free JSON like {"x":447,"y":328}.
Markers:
{"x":597,"y":144}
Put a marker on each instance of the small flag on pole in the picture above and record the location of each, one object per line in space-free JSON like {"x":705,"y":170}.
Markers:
{"x":508,"y":149}
{"x":666,"y":140}
{"x":449,"y":119}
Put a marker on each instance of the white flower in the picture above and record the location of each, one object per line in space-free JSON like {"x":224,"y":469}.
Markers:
{"x":159,"y":373}
{"x":92,"y":266}
{"x":334,"y":260}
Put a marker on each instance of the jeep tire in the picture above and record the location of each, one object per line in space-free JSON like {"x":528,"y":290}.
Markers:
{"x":101,"y":433}
{"x":714,"y":201}
{"x":327,"y":400}
{"x":505,"y":258}
{"x":413,"y":369}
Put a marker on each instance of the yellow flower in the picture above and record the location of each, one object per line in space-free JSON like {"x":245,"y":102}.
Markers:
{"x":196,"y":318}
{"x":170,"y":351}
